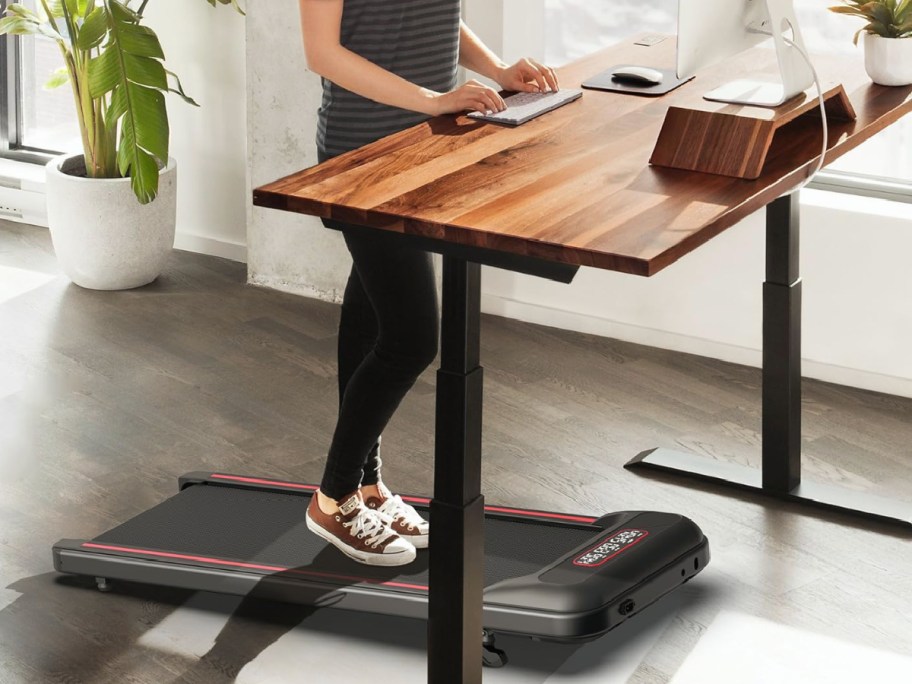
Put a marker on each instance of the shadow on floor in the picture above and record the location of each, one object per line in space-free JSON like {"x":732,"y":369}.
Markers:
{"x":62,"y":627}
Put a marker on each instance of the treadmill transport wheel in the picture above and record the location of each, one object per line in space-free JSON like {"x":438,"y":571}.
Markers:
{"x":491,"y":655}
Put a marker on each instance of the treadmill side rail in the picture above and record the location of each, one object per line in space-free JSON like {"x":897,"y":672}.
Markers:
{"x":71,"y":558}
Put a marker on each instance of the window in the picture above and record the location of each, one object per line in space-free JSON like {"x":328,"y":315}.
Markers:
{"x":36,"y":121}
{"x":579,"y":27}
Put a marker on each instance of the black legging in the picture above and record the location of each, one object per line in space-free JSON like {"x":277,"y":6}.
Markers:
{"x":388,"y":335}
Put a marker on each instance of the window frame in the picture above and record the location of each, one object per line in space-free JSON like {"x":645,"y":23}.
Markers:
{"x":863,"y":185}
{"x":11,"y":110}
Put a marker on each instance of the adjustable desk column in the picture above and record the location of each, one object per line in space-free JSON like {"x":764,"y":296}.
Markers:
{"x":457,"y":509}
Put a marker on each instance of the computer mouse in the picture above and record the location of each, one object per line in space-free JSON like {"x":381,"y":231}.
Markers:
{"x":637,"y":75}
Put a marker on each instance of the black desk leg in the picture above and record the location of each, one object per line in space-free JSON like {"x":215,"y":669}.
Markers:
{"x":780,"y":475}
{"x":457,"y":509}
{"x":781,"y":431}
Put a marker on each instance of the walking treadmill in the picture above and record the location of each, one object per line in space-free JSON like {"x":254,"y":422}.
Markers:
{"x":546,"y":575}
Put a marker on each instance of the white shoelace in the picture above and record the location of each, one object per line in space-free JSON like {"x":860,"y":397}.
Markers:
{"x":395,"y":508}
{"x":368,"y":525}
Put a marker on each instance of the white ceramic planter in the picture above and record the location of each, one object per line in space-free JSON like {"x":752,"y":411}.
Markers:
{"x":888,"y":61}
{"x":103,"y":237}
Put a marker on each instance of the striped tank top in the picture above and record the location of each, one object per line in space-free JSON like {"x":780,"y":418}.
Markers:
{"x":415,"y":39}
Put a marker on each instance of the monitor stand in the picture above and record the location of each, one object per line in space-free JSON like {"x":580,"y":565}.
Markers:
{"x":756,"y":93}
{"x":795,"y":73}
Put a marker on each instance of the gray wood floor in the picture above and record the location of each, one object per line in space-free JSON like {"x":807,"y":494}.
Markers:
{"x":105,"y":398}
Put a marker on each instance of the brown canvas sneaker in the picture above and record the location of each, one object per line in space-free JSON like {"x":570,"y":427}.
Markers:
{"x":360,"y":533}
{"x":404,"y":519}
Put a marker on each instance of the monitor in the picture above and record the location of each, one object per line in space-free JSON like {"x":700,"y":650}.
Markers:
{"x":712,"y":31}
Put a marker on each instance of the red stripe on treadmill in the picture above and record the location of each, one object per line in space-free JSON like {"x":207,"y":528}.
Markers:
{"x":541,"y":514}
{"x":410,"y":499}
{"x":181,"y":556}
{"x":249,"y":566}
{"x":256,"y":480}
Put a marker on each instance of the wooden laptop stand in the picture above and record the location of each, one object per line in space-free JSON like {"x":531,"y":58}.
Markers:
{"x":736,"y":140}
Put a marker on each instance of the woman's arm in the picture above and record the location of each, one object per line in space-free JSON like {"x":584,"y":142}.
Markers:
{"x":526,"y":75}
{"x":321,"y":22}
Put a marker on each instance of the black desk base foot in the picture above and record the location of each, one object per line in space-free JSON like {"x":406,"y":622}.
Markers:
{"x":824,"y":496}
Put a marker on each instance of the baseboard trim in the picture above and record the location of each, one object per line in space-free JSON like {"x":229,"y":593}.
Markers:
{"x":201,"y":244}
{"x":568,"y":320}
{"x":333,"y":296}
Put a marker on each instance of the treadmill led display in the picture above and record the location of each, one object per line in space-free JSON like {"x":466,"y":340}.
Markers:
{"x":609,"y":548}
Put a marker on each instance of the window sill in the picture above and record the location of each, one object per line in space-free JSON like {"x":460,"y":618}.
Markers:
{"x":878,"y":207}
{"x":22,"y":175}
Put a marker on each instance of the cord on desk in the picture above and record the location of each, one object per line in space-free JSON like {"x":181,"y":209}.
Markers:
{"x":823,"y":117}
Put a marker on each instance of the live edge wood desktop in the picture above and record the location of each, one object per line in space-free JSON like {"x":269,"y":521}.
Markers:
{"x":575,"y":188}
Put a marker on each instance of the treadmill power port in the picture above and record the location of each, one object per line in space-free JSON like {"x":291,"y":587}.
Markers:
{"x":627,"y":606}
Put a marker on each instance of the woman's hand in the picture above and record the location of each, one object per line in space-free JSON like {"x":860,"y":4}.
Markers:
{"x":472,"y":96}
{"x":528,"y":76}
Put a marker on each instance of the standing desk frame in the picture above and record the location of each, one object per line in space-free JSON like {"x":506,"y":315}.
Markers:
{"x":456,"y":555}
{"x":780,"y":473}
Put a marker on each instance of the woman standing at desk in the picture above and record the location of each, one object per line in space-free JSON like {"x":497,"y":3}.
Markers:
{"x":387,"y":65}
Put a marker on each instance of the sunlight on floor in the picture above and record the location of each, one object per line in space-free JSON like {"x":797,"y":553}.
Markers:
{"x":329,"y":639}
{"x":16,"y":281}
{"x":750,"y":650}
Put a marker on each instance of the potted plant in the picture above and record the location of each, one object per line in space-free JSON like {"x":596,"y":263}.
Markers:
{"x":888,"y":38}
{"x":112,"y":207}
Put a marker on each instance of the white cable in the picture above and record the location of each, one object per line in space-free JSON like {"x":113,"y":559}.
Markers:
{"x":823,"y":117}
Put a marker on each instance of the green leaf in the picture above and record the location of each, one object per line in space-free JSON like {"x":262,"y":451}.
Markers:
{"x":875,"y":28}
{"x":233,"y":3}
{"x":151,"y":122}
{"x":145,"y":71}
{"x":122,"y":13}
{"x":23,"y":11}
{"x":117,"y":107}
{"x":902,"y":9}
{"x":140,"y":41}
{"x":72,"y":7}
{"x":93,"y":30}
{"x":143,"y":172}
{"x":105,"y":71}
{"x":881,"y":13}
{"x":56,"y":7}
{"x":137,"y":100}
{"x":17,"y":26}
{"x":57,"y":79}
{"x":841,"y":9}
{"x":179,"y":89}
{"x":880,"y":29}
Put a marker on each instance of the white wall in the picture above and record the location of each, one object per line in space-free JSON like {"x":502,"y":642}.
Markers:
{"x":205,"y":47}
{"x":512,"y":28}
{"x":286,"y":251}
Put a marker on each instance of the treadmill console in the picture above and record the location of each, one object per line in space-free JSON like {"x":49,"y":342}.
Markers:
{"x":609,"y":548}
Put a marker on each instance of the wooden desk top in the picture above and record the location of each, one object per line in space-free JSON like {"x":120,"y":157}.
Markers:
{"x":575,"y":185}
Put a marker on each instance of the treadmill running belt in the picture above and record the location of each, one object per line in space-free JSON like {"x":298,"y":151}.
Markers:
{"x":269,"y":528}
